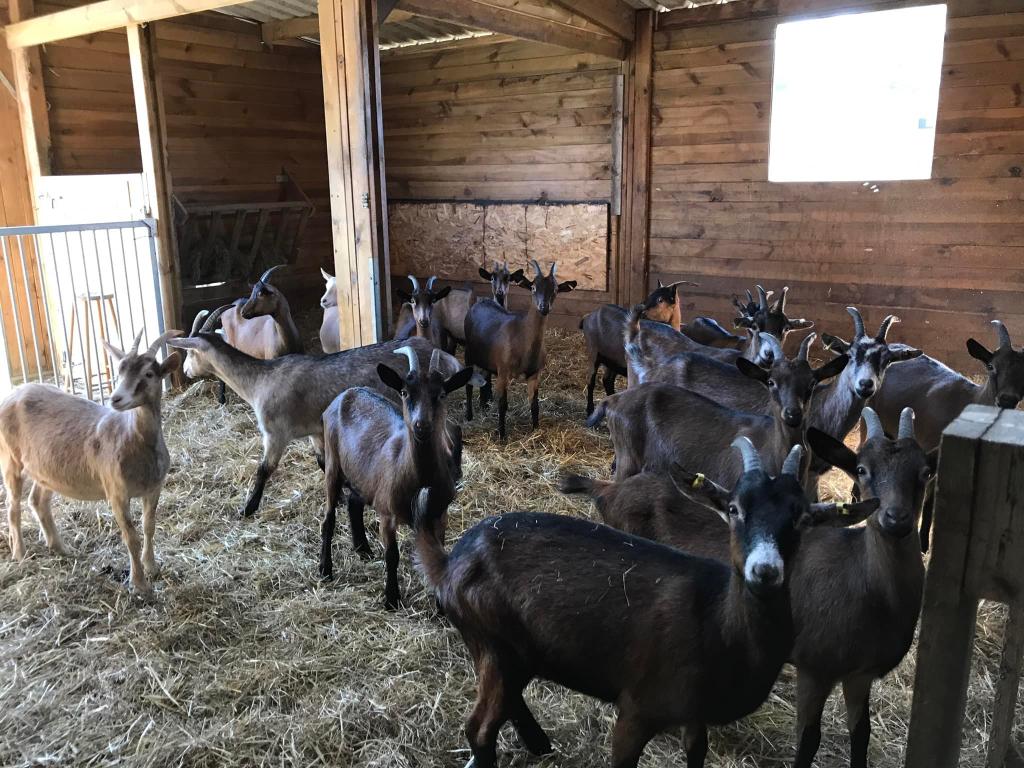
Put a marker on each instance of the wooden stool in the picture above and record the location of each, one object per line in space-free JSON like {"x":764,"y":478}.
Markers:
{"x":92,"y":306}
{"x":978,"y":552}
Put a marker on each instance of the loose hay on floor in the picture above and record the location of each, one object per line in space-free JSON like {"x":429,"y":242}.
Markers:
{"x":246,"y":659}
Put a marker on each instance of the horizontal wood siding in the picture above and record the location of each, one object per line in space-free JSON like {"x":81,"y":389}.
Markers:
{"x":237,"y":113}
{"x":946,"y":255}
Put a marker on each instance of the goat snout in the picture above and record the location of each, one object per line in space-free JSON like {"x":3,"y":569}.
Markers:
{"x":792,"y":416}
{"x":764,"y":568}
{"x":118,"y":401}
{"x":422,"y":429}
{"x":898,"y":522}
{"x":866,"y":387}
{"x":1007,"y":401}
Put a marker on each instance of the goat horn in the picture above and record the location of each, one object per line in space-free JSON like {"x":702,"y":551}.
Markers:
{"x":213,"y":317}
{"x":858,"y":322}
{"x":751,"y":458}
{"x":415,"y":284}
{"x":883,"y":331}
{"x":1002,"y":333}
{"x":780,"y":304}
{"x":805,"y":345}
{"x":435,"y":358}
{"x":906,"y":431}
{"x":554,"y":269}
{"x":172,"y":334}
{"x":762,"y":299}
{"x":536,"y":268}
{"x":410,"y":353}
{"x":135,"y":344}
{"x":791,"y":466}
{"x":504,"y":265}
{"x":872,"y":423}
{"x":197,"y":323}
{"x":430,"y":283}
{"x":265,"y":275}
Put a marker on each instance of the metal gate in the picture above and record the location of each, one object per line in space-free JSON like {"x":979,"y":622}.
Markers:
{"x":66,"y":289}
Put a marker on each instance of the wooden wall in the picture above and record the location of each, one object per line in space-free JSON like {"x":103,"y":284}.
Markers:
{"x":947,"y":254}
{"x":237,"y":113}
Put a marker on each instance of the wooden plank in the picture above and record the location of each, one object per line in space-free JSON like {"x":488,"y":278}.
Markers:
{"x":151,"y":118}
{"x":1005,"y":708}
{"x":637,"y":170}
{"x":515,"y":22}
{"x":101,"y":16}
{"x":615,"y":16}
{"x":288,"y":29}
{"x":616,"y":167}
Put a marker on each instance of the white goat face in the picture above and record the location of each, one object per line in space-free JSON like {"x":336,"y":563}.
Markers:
{"x":197,"y":363}
{"x":330,"y":297}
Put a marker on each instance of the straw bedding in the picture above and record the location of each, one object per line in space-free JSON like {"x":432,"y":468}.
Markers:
{"x":244,"y":658}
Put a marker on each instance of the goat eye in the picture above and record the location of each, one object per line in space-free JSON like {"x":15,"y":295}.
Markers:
{"x":405,"y":393}
{"x":149,"y":374}
{"x":862,"y":470}
{"x":733,"y":509}
{"x":771,"y":383}
{"x":991,"y":368}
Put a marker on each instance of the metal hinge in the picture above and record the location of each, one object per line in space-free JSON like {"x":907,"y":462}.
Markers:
{"x":366,"y":199}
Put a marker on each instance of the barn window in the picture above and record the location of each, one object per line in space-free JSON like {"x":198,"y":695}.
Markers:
{"x":854,"y":97}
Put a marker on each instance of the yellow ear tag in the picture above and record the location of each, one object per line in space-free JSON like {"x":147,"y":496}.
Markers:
{"x":843,"y":507}
{"x":698,"y":481}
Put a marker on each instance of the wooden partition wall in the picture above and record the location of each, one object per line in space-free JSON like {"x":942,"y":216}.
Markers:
{"x":946,"y":255}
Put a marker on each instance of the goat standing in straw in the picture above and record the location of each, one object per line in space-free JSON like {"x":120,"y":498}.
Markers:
{"x":80,"y":449}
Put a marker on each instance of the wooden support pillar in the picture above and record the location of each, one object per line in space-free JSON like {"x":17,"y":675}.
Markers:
{"x":156,"y":179}
{"x":32,"y":112}
{"x":636,"y":162}
{"x":355,"y":157}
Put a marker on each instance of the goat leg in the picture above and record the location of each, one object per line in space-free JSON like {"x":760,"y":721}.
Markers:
{"x":811,"y":695}
{"x":486,"y":392}
{"x":273,"y":449}
{"x":356,"y":505}
{"x":489,"y":713}
{"x":857,"y":693}
{"x":222,"y":392}
{"x":608,"y":380}
{"x":39,"y":499}
{"x":629,"y":737}
{"x":13,"y":481}
{"x":533,"y":389}
{"x":326,"y":538}
{"x":526,"y":725}
{"x":149,"y":563}
{"x":122,"y":514}
{"x":696,"y":743}
{"x":591,"y":383}
{"x":502,"y":386}
{"x":389,"y":534}
{"x":469,"y":401}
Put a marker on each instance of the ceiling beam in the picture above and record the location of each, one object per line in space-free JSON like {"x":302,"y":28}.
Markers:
{"x":100,"y":17}
{"x":518,"y":22}
{"x":616,"y":16}
{"x":282,"y":30}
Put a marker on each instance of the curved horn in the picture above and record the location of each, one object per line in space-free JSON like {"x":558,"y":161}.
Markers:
{"x":805,"y":345}
{"x":554,"y":269}
{"x":751,"y":458}
{"x":872,"y":423}
{"x":430,"y":283}
{"x":791,"y":466}
{"x":265,"y":275}
{"x":762,"y":299}
{"x":906,"y":425}
{"x":172,"y":334}
{"x":213,"y":317}
{"x":135,"y":344}
{"x":410,"y":353}
{"x":503,"y":266}
{"x":1002,"y":333}
{"x":780,"y":304}
{"x":415,"y":284}
{"x":536,"y":268}
{"x":750,"y":298}
{"x":435,"y":358}
{"x":858,"y":322}
{"x":197,"y":323}
{"x":883,"y":330}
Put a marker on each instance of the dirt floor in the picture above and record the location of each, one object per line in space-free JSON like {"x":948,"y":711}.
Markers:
{"x":245,"y":658}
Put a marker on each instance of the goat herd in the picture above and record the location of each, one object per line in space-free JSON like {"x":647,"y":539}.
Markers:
{"x":672,"y":615}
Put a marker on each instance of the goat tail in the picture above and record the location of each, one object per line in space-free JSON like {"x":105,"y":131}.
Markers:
{"x":570,"y":484}
{"x":599,"y":413}
{"x":431,"y":557}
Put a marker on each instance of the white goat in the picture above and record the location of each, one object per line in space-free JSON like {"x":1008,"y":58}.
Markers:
{"x":80,"y":449}
{"x":329,"y":333}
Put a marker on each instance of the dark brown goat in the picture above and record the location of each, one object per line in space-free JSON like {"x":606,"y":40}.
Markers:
{"x":668,"y":638}
{"x":427,"y":322}
{"x":501,"y":279}
{"x":385,"y":455}
{"x":511,"y":344}
{"x":769,"y":318}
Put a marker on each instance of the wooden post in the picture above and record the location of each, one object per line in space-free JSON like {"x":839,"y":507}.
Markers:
{"x":156,"y":179}
{"x":349,"y":56}
{"x":636,"y":171}
{"x":35,"y":122}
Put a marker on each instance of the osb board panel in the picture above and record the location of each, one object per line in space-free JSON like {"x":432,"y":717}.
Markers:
{"x":451,"y":240}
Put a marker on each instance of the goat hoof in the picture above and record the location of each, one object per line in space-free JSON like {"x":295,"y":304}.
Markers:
{"x":392,"y":603}
{"x":364,"y":551}
{"x":152,"y":570}
{"x":18,"y":552}
{"x":246,"y":513}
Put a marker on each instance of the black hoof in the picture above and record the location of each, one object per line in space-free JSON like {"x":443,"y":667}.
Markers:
{"x":364,"y":551}
{"x":326,"y":575}
{"x":392,"y":603}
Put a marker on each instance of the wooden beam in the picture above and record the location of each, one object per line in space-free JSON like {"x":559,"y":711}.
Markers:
{"x":156,"y":178}
{"x":518,"y":22}
{"x":102,"y":16}
{"x":351,"y":72}
{"x":290,"y":29}
{"x":616,"y":16}
{"x":634,"y":241}
{"x":384,"y":9}
{"x":28,"y":66}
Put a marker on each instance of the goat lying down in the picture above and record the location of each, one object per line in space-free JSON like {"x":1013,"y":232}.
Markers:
{"x":670,"y":639}
{"x":289,"y":394}
{"x":83,"y":450}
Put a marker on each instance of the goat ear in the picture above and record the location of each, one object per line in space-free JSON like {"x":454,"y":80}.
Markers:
{"x":438,"y":295}
{"x":832,"y":368}
{"x":700,"y":489}
{"x":835,"y":344}
{"x":752,"y":370}
{"x":459,"y":380}
{"x":405,"y":297}
{"x":484,"y":274}
{"x":567,"y":286}
{"x":799,"y":324}
{"x":743,"y":322}
{"x":117,"y":355}
{"x":838,"y":515}
{"x":390,"y":377}
{"x":516,"y":276}
{"x":832,"y":451}
{"x":327,"y":277}
{"x":170,"y":364}
{"x":977,"y":350}
{"x":902,"y":355}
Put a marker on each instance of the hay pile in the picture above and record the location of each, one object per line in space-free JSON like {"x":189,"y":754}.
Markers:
{"x":246,"y":659}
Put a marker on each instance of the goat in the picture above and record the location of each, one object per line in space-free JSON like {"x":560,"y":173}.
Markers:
{"x":511,"y":344}
{"x":769,"y":318}
{"x":330,"y":335}
{"x":447,"y":309}
{"x":83,"y":450}
{"x":385,"y":454}
{"x":664,"y":305}
{"x":289,"y":394}
{"x":500,"y":280}
{"x":670,"y":639}
{"x":426,"y":320}
{"x":653,"y":424}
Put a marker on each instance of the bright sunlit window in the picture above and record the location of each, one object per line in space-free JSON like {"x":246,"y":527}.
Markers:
{"x":854,"y":97}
